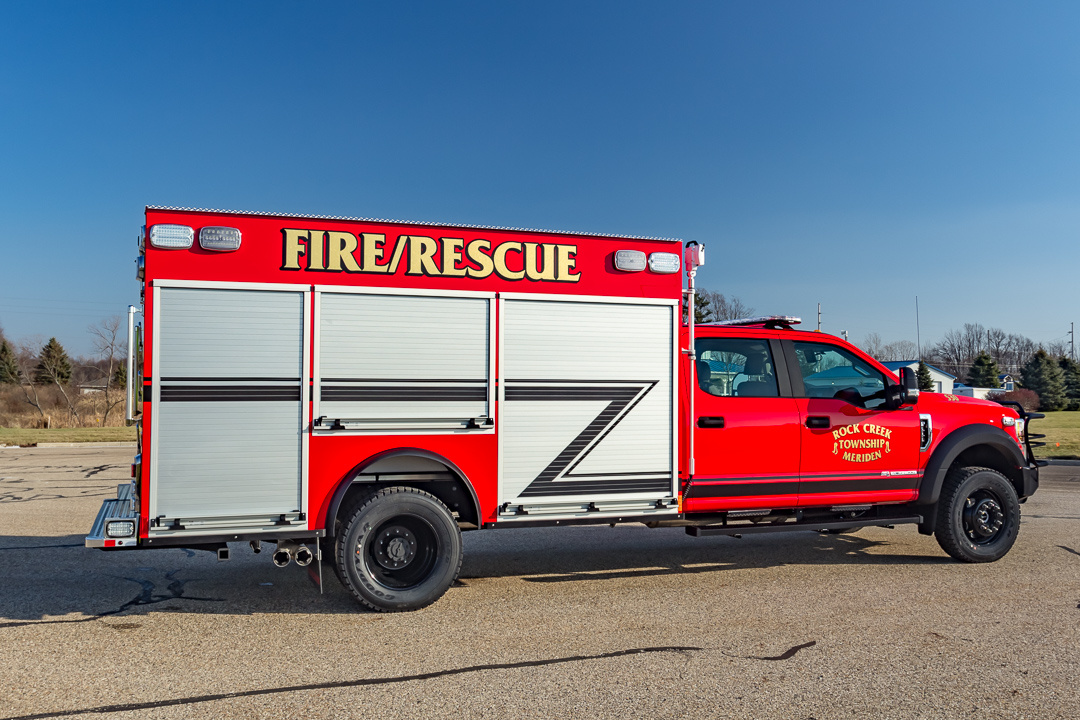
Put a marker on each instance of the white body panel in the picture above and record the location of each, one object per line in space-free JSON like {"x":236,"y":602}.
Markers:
{"x":588,"y":402}
{"x":229,"y":418}
{"x":401,"y":362}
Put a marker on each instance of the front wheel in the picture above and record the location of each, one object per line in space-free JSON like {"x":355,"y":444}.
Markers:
{"x":978,"y":515}
{"x":399,"y":549}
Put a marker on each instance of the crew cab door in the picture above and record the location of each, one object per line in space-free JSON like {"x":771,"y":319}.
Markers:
{"x":854,"y":450}
{"x":746,"y":427}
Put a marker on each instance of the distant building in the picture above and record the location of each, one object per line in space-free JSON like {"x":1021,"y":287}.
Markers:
{"x":1005,"y":382}
{"x":943,"y":381}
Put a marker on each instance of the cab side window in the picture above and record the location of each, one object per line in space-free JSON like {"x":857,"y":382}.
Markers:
{"x":736,"y":367}
{"x":832,"y":372}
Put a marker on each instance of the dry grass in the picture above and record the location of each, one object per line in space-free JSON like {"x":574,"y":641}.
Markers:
{"x":33,"y":436}
{"x":16,"y":412}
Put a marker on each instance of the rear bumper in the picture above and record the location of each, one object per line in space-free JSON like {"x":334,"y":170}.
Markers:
{"x":117,"y":510}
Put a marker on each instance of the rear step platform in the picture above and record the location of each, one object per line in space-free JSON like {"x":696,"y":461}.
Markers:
{"x":118,"y":510}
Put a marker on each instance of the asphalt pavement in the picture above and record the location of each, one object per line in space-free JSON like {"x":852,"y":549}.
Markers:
{"x":562,"y":622}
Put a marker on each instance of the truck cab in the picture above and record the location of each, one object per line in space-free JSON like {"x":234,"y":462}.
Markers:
{"x":794,"y":423}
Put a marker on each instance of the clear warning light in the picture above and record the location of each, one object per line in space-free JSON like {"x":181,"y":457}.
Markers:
{"x":219,"y":239}
{"x":664,"y":262}
{"x":172,"y":237}
{"x":120,"y":528}
{"x":630,"y":260}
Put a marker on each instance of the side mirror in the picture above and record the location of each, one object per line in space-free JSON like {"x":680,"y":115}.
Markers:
{"x":910,"y":381}
{"x":906,"y":393}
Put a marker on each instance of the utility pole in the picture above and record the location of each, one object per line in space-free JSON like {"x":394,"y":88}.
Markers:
{"x":843,"y":333}
{"x":918,"y":337}
{"x":819,"y":317}
{"x":1072,"y":342}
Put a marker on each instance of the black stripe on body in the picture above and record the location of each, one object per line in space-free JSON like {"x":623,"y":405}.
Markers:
{"x":386,"y":393}
{"x":735,"y":488}
{"x":229,"y":393}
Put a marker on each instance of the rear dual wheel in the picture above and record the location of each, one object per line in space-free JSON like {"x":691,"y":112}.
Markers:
{"x":978,"y":515}
{"x":398,"y":549}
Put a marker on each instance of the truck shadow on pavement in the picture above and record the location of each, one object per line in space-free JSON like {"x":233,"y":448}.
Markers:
{"x":51,"y":580}
{"x":601,"y":553}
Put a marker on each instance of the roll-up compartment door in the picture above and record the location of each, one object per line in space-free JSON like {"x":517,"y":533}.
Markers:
{"x":588,"y":406}
{"x":228,"y":412}
{"x":402,"y":362}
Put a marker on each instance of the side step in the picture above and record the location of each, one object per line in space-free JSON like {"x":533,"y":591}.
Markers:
{"x":705,"y":530}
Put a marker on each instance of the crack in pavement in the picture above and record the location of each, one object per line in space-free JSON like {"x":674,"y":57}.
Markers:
{"x":128,"y":707}
{"x":787,"y":654}
{"x":100,"y":469}
{"x":145,"y":597}
{"x":1069,"y":549}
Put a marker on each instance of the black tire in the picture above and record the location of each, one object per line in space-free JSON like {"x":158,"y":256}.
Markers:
{"x":399,"y":549}
{"x":978,"y":515}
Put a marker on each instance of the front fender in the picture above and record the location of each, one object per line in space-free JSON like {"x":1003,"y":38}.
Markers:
{"x":952,"y":445}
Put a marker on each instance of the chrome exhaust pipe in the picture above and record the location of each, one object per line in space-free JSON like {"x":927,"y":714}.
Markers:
{"x":303,"y":556}
{"x":283,"y":555}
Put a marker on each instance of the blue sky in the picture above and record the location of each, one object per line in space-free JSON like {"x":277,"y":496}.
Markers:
{"x":855,"y":154}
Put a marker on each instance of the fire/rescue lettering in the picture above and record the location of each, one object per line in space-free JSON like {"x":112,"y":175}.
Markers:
{"x":293,"y":249}
{"x":878,"y":441}
{"x":499,"y":256}
{"x":342,"y":246}
{"x":337,"y":251}
{"x":477,"y":252}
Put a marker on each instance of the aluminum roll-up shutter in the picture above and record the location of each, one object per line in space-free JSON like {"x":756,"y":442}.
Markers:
{"x":402,"y":362}
{"x":588,"y":405}
{"x":228,"y":405}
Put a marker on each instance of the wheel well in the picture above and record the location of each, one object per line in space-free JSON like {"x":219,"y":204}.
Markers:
{"x":412,"y":468}
{"x":989,"y":457}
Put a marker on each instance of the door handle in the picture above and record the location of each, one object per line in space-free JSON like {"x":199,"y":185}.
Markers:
{"x":818,"y":422}
{"x":710,"y":422}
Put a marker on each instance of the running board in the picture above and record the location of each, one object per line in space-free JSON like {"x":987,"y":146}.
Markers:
{"x":705,"y":530}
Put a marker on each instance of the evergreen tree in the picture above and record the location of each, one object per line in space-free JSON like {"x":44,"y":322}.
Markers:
{"x":9,"y":371}
{"x":925,"y":381}
{"x":1070,"y":369}
{"x":703,"y":311}
{"x":984,"y":372}
{"x":1044,"y":376}
{"x":54,"y":365}
{"x":119,"y":376}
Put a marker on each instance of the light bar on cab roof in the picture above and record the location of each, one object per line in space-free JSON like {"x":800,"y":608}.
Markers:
{"x":630,"y":260}
{"x":219,"y":239}
{"x":665,"y":262}
{"x":763,"y":320}
{"x":172,"y":237}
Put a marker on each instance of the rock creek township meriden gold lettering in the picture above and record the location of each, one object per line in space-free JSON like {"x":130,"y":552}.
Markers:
{"x":870,"y":442}
{"x":333,"y":251}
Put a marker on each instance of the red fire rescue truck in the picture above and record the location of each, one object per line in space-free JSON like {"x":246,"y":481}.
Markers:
{"x":366,"y":390}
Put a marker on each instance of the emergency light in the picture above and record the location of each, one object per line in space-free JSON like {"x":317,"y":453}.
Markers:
{"x":664,"y":262}
{"x":630,"y":260}
{"x":219,"y":239}
{"x":172,"y":237}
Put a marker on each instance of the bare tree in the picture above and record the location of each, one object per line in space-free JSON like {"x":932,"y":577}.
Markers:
{"x":26,"y":361}
{"x":722,"y":307}
{"x":107,"y":343}
{"x":899,"y":350}
{"x":873,"y":346}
